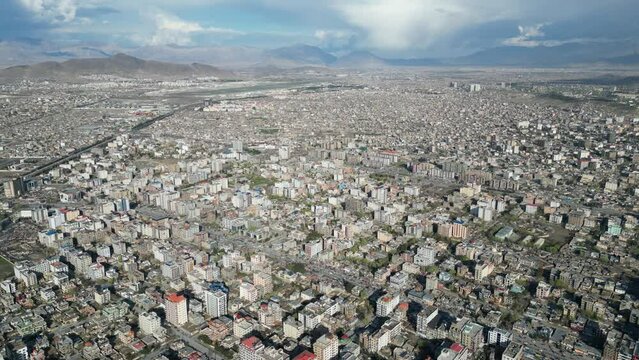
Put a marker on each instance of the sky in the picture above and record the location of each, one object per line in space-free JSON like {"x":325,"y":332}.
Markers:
{"x":392,"y":28}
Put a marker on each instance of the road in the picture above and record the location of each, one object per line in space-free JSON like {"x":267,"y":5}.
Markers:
{"x":195,"y":343}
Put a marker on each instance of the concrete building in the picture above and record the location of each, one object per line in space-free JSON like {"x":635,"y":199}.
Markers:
{"x":386,"y":304}
{"x":176,"y":309}
{"x":150,"y":323}
{"x":326,"y":347}
{"x":215,"y":303}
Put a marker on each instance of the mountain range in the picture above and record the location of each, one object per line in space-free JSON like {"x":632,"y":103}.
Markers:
{"x":120,"y":65}
{"x":175,"y":61}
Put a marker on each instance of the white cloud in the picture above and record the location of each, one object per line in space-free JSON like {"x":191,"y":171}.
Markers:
{"x":171,"y":30}
{"x":402,"y":24}
{"x":335,"y":39}
{"x":529,"y":36}
{"x":55,"y":11}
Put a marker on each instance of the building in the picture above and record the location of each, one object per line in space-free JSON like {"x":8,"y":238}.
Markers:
{"x":514,"y":351}
{"x":215,"y":303}
{"x":543,"y":290}
{"x":499,"y":337}
{"x":263,"y":282}
{"x":454,"y":352}
{"x":270,"y":314}
{"x":483,"y":269}
{"x":13,"y":188}
{"x":293,"y":328}
{"x":472,"y":336}
{"x":425,"y":256}
{"x":326,"y":347}
{"x":386,"y":304}
{"x":424,"y":317}
{"x":18,"y":350}
{"x":374,"y":341}
{"x":176,"y":309}
{"x":459,"y":231}
{"x":102,"y":296}
{"x":250,"y":349}
{"x":150,"y":323}
{"x":305,"y":355}
{"x":238,"y":146}
{"x":242,"y":327}
{"x":248,"y":292}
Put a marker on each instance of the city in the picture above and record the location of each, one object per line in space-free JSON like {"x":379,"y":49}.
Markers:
{"x":318,"y":212}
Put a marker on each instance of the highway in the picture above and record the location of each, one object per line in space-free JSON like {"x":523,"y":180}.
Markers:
{"x":52,"y":164}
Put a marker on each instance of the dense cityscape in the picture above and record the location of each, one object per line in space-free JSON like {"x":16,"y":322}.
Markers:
{"x":398,"y":214}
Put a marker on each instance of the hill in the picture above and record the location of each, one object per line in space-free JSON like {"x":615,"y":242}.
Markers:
{"x":120,"y":65}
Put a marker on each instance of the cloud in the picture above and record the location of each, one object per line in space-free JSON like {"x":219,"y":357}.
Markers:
{"x":171,"y":30}
{"x":529,"y":36}
{"x":385,"y":27}
{"x":401,"y":24}
{"x":54,"y":11}
{"x":395,"y":26}
{"x":534,"y":35}
{"x":334,"y":40}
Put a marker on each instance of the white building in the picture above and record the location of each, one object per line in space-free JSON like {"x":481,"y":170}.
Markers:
{"x":425,"y":256}
{"x":215,"y":302}
{"x":150,"y":323}
{"x":326,"y":347}
{"x":386,"y":304}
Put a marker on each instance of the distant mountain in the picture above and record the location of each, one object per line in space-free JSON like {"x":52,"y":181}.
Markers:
{"x":117,"y":65}
{"x":300,"y":54}
{"x":360,"y":59}
{"x":224,"y":56}
{"x":561,"y":55}
{"x":245,"y":58}
{"x":632,"y":59}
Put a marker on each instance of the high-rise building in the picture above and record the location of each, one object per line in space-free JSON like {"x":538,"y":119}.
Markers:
{"x":326,"y":347}
{"x":216,"y":303}
{"x":176,"y":309}
{"x":425,"y":317}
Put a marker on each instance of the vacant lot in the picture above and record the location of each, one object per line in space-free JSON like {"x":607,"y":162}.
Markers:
{"x":6,"y":269}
